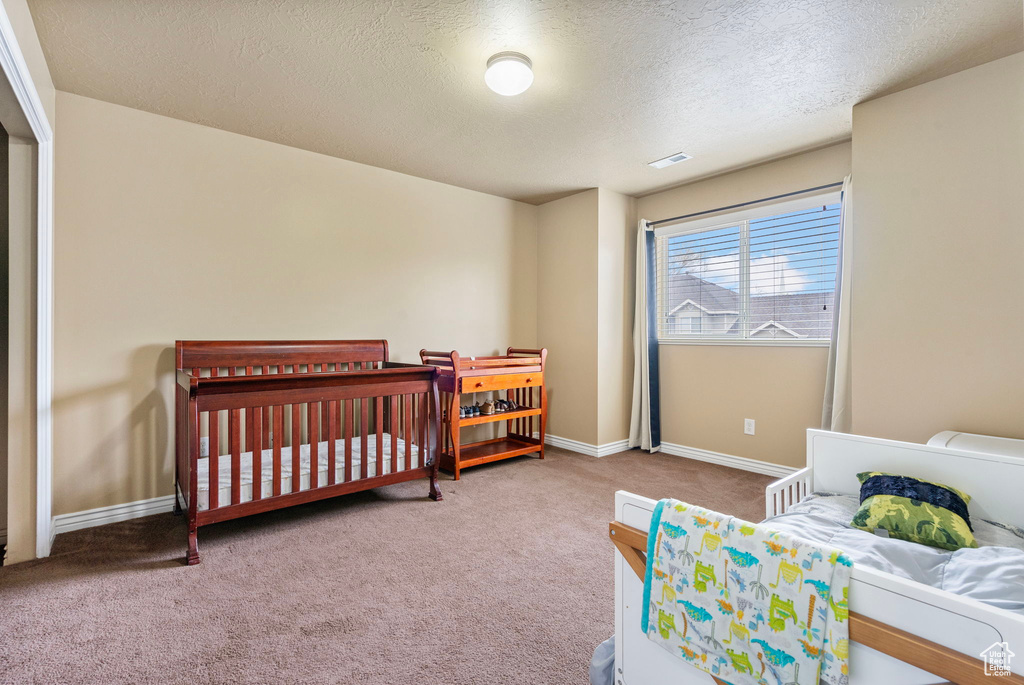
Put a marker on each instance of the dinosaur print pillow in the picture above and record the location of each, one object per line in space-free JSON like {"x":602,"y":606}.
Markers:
{"x":914,"y":510}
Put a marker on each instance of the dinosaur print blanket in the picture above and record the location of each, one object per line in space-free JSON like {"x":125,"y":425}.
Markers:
{"x":745,"y":603}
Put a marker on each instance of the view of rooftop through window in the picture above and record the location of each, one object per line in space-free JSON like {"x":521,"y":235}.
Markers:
{"x":769,"y":278}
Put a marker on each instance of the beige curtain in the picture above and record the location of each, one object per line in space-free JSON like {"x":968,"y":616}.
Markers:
{"x":836,"y":410}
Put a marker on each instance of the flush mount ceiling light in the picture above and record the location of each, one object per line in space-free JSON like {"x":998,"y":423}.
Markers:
{"x":509,"y":73}
{"x":669,"y":161}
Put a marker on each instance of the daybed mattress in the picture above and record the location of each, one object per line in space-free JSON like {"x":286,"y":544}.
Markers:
{"x":267,"y":467}
{"x":993,"y":573}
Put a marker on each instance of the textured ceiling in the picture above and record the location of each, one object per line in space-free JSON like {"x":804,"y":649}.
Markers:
{"x":618,"y":84}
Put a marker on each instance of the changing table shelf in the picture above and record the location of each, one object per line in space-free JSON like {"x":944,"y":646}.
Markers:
{"x":499,"y":416}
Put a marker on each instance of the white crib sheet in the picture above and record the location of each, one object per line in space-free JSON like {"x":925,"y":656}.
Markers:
{"x":267,"y":468}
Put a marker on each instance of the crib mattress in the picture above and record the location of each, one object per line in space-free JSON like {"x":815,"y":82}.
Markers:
{"x":374,"y":467}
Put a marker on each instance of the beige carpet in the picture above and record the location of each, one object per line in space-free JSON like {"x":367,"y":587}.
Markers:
{"x":508,"y":580}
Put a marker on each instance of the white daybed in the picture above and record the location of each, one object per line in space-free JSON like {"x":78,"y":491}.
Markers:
{"x":918,"y":624}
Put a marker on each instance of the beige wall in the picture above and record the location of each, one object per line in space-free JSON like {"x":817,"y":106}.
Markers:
{"x":585,"y":313}
{"x":168,"y":230}
{"x":616,"y":247}
{"x":707,"y":390}
{"x":567,"y":312}
{"x":938,"y":296}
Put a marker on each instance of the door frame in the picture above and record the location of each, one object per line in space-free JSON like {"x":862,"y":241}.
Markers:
{"x":12,"y":61}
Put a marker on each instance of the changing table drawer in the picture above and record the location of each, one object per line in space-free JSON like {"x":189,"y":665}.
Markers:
{"x":502,"y":382}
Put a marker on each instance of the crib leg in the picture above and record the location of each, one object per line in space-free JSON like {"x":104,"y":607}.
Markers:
{"x":435,"y":490}
{"x":192,"y":558}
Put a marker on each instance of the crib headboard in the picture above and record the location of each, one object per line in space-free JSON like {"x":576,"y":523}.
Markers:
{"x":277,"y":354}
{"x":994,"y":482}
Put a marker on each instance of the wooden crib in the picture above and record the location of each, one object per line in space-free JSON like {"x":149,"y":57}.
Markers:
{"x":266,"y":425}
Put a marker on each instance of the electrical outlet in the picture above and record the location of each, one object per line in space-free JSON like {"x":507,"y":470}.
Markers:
{"x":204,"y":447}
{"x":748,"y":426}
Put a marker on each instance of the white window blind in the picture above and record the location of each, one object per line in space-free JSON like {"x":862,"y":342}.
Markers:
{"x":765,"y":275}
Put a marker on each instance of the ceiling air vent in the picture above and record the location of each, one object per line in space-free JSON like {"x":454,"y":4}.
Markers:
{"x":669,"y":161}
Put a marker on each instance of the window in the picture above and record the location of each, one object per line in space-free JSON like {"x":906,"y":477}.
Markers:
{"x":758,"y":276}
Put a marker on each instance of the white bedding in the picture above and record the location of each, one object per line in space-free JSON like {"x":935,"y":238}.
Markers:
{"x":267,"y":467}
{"x":992,"y":573}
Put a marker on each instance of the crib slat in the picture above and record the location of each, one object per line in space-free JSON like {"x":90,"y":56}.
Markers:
{"x":339,"y":407}
{"x":423,"y":418}
{"x":332,"y":432}
{"x":380,"y":436}
{"x":213,"y":450}
{"x":412,"y":428}
{"x":408,"y":432}
{"x":396,"y":428}
{"x":256,"y":445}
{"x":296,"y":447}
{"x":364,"y":424}
{"x":313,"y":412}
{"x":324,"y":418}
{"x":234,"y":440}
{"x":349,"y":420}
{"x":278,"y":435}
{"x":266,"y":415}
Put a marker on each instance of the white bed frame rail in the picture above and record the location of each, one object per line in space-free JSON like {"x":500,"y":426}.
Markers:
{"x":785,"y":492}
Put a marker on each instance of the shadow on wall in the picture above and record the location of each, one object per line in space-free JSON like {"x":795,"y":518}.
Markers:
{"x":135,"y":460}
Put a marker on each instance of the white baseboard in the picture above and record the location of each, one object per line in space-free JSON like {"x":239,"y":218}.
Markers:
{"x":585,"y":447}
{"x":743,"y":463}
{"x":65,"y":523}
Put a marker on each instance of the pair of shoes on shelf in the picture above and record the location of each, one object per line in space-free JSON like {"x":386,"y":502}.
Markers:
{"x":505,"y":405}
{"x":488,"y":408}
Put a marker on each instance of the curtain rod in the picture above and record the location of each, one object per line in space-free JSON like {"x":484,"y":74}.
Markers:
{"x":651,"y":224}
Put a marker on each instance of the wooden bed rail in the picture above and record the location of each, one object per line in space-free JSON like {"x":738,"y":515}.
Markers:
{"x":955,"y":667}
